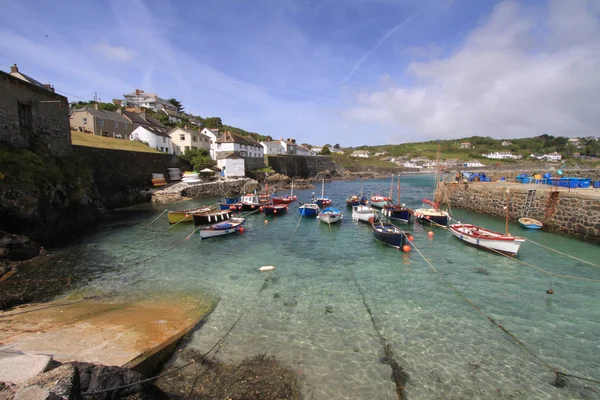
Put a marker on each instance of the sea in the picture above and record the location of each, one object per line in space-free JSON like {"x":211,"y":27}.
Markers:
{"x":341,"y":308}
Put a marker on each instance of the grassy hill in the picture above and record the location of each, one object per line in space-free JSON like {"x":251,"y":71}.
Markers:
{"x":86,"y":139}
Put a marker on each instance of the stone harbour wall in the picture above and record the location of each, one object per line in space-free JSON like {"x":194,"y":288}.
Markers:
{"x":300,"y":166}
{"x":183,"y":190}
{"x":574,"y":213}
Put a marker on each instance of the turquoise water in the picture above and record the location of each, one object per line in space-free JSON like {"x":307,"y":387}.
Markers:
{"x":309,"y":312}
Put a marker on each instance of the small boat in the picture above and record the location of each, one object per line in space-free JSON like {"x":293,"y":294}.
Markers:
{"x":530,"y":223}
{"x":322,"y":201}
{"x":308,"y":210}
{"x":389,"y":234}
{"x":380,"y":201}
{"x":222,"y":228}
{"x":252,"y":202}
{"x":433,"y":216}
{"x":397,"y":211}
{"x":232,"y":207}
{"x":227,"y":202}
{"x":488,"y":239}
{"x":211,"y":217}
{"x":330,"y":215}
{"x":276,"y":209}
{"x":284,"y":199}
{"x":186,"y":215}
{"x":363,"y":213}
{"x":354,"y":200}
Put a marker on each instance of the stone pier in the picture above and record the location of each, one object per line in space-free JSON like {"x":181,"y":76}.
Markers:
{"x":182,"y":190}
{"x":574,"y":212}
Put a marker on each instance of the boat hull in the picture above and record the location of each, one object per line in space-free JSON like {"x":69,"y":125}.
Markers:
{"x":276,"y":209}
{"x":530,"y":223}
{"x":282,"y":200}
{"x":389,"y":234}
{"x":211,"y":218}
{"x":363,"y":214}
{"x":432,"y":217}
{"x":323,"y":202}
{"x":487,"y":239}
{"x":185,"y":215}
{"x":330,"y":215}
{"x":352,"y":201}
{"x":401,"y":214}
{"x":307,"y":211}
{"x":223,"y":228}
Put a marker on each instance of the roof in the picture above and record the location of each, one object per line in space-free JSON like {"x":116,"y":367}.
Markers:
{"x":229,"y":137}
{"x":191,"y":132}
{"x":172,"y":113}
{"x":28,"y":79}
{"x":110,"y":115}
{"x":135,"y":118}
{"x":228,"y":154}
{"x":155,"y":129}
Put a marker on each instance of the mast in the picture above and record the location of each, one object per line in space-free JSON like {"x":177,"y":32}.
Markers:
{"x":391,"y":187}
{"x":292,"y":193}
{"x":507,"y":193}
{"x":323,"y":188}
{"x":398,"y":190}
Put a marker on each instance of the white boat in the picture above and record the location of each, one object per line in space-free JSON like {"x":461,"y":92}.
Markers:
{"x":481,"y":237}
{"x":222,"y":228}
{"x":363,"y":213}
{"x":330,"y":215}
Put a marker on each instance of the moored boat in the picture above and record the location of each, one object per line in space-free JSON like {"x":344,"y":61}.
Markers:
{"x":330,"y":215}
{"x":389,"y":234}
{"x":355,"y":200}
{"x":397,"y":211}
{"x":211,"y":217}
{"x":284,"y":199}
{"x":222,"y":228}
{"x":187,"y":215}
{"x":276,"y":209}
{"x":252,"y":202}
{"x":322,"y":201}
{"x":308,"y":210}
{"x":433,"y":216}
{"x":380,"y":201}
{"x":363,"y":213}
{"x":530,"y":223}
{"x":488,"y":239}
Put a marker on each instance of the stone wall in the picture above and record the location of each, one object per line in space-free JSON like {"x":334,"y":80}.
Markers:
{"x":300,"y":166}
{"x":182,"y":190}
{"x":254,"y":163}
{"x":44,"y":123}
{"x":124,"y":177}
{"x":573,"y":213}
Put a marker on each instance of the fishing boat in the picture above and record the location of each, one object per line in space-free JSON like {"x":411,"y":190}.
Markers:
{"x":356,"y":200}
{"x":330,"y":215}
{"x":363,"y":213}
{"x":277,"y":209}
{"x":223,"y":228}
{"x":253,"y":201}
{"x":227,"y":202}
{"x":433,"y":215}
{"x":389,"y":234}
{"x":186,"y":215}
{"x":211,"y":217}
{"x":309,"y":209}
{"x":397,"y":211}
{"x":380,"y":201}
{"x":488,"y":239}
{"x":284,"y":199}
{"x":322,"y":201}
{"x":530,"y":223}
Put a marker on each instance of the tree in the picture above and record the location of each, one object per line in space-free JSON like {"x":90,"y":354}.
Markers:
{"x":213,"y":123}
{"x":337,"y":146}
{"x":325,"y":151}
{"x":177,"y":104}
{"x":199,"y":158}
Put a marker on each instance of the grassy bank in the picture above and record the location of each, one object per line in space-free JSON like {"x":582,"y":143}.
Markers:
{"x":86,"y":139}
{"x":347,"y":161}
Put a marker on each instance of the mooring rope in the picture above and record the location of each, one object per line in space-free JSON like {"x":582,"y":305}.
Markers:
{"x":155,"y":219}
{"x":564,"y":254}
{"x":503,"y":329}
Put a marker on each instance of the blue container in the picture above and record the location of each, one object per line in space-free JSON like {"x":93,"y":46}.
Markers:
{"x":584,"y":183}
{"x":573,"y":183}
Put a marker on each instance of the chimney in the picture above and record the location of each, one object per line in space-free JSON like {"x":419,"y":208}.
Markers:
{"x":137,"y":92}
{"x":96,"y":106}
{"x":143,"y":114}
{"x":119,"y":111}
{"x":14,"y":69}
{"x":49,"y":87}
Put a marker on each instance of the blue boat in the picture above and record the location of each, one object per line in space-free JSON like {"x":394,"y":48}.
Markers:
{"x":308,"y":210}
{"x":389,"y":234}
{"x":229,"y":203}
{"x":530,"y":223}
{"x":330,"y":215}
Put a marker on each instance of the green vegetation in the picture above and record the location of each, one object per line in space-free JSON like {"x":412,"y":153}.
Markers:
{"x":101,"y":106}
{"x":85,"y":139}
{"x":200,"y":159}
{"x":325,"y":150}
{"x":347,"y":161}
{"x":177,"y":104}
{"x":265,"y":169}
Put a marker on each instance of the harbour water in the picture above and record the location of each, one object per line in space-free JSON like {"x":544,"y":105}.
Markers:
{"x":336,"y":292}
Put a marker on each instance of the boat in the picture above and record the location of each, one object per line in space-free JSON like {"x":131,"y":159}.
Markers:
{"x":284,"y":199}
{"x":530,"y":223}
{"x":253,"y":201}
{"x":309,"y":209}
{"x":277,"y":209}
{"x":380,"y":201}
{"x":322,"y":201}
{"x":389,"y":234}
{"x":363,"y":213}
{"x":488,"y":239}
{"x":186,"y":215}
{"x":233,"y":207}
{"x":222,"y":228}
{"x":330,"y":215}
{"x":433,"y":215}
{"x":211,"y":217}
{"x":397,"y":211}
{"x":227,"y":202}
{"x":356,"y":200}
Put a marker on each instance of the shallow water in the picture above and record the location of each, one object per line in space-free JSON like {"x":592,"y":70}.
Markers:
{"x":309,"y":312}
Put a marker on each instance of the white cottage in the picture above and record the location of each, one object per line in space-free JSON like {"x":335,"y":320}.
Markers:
{"x":245,"y":146}
{"x":273,"y":147}
{"x":213,"y":135}
{"x":156,"y":137}
{"x":232,"y":165}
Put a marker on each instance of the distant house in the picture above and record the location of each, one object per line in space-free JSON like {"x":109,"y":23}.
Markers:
{"x":174,"y":116}
{"x":245,"y":146}
{"x":502,"y":155}
{"x":139,"y":98}
{"x":337,"y":151}
{"x":155,"y":136}
{"x":290,"y":147}
{"x":304,"y":151}
{"x":232,"y":164}
{"x":186,"y":139}
{"x":317,"y":149}
{"x":410,"y":164}
{"x":195,"y":121}
{"x":465,"y":145}
{"x":360,"y":153}
{"x":273,"y":147}
{"x":472,"y":164}
{"x":101,"y":122}
{"x":420,"y":159}
{"x":32,"y":116}
{"x":380,"y":153}
{"x":451,"y":162}
{"x":538,"y":156}
{"x":505,"y":143}
{"x":553,"y":157}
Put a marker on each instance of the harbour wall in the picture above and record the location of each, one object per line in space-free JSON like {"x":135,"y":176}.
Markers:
{"x":182,"y":190}
{"x":574,"y":213}
{"x":300,"y":166}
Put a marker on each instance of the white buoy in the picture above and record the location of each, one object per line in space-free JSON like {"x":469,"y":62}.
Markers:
{"x":267,"y":268}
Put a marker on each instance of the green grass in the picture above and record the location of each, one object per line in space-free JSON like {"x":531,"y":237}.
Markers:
{"x":265,"y":169}
{"x":89,"y":140}
{"x":347,"y":161}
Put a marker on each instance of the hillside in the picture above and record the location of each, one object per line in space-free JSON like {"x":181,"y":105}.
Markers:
{"x":85,"y":139}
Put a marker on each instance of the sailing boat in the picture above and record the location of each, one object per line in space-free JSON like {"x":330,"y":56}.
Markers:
{"x":389,"y":234}
{"x":433,"y":215}
{"x":488,"y":239}
{"x":285,"y":199}
{"x":397,"y":211}
{"x":322,"y":201}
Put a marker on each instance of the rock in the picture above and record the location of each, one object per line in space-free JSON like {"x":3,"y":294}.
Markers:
{"x":279,"y":178}
{"x":17,"y":247}
{"x":60,"y":383}
{"x":21,"y":368}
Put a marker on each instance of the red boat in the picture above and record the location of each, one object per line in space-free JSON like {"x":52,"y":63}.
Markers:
{"x":283,"y":199}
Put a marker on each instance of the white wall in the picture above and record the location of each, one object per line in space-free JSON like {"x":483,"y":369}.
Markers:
{"x":234,"y":167}
{"x":159,"y":143}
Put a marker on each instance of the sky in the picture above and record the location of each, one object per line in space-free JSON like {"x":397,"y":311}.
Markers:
{"x":353,"y":72}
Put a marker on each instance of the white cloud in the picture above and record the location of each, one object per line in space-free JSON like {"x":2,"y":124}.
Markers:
{"x":523,"y":72}
{"x":116,"y":53}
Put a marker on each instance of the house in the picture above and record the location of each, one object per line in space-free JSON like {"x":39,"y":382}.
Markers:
{"x":360,"y":153}
{"x":174,"y":116}
{"x":273,"y":147}
{"x":304,"y":151}
{"x":232,"y":164}
{"x":505,"y":143}
{"x":553,"y":157}
{"x":289,"y":146}
{"x":380,"y":153}
{"x":101,"y":122}
{"x":410,"y":164}
{"x":184,"y":139}
{"x":156,"y":137}
{"x":420,"y":159}
{"x":472,"y":164}
{"x":195,"y":120}
{"x":139,"y":98}
{"x":337,"y":151}
{"x":317,"y":149}
{"x":32,"y":116}
{"x":452,"y":162}
{"x":502,"y":155}
{"x":245,"y":146}
{"x":538,"y":156}
{"x":465,"y":145}
{"x":213,"y":135}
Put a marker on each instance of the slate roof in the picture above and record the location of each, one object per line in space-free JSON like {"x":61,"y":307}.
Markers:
{"x":156,"y":130}
{"x":110,"y":115}
{"x":229,"y":137}
{"x":28,"y":79}
{"x":228,"y":154}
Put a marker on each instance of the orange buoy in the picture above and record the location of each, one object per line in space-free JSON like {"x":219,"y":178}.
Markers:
{"x":253,"y":207}
{"x":371,"y":220}
{"x":266,"y":222}
{"x":274,"y":211}
{"x":241,"y":230}
{"x":411,"y":238}
{"x":406,"y":248}
{"x":261,"y":209}
{"x":430,"y":233}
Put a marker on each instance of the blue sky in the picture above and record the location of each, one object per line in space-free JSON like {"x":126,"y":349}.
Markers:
{"x":327,"y":71}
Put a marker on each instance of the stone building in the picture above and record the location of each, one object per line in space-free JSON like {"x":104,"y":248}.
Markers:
{"x":32,"y":116}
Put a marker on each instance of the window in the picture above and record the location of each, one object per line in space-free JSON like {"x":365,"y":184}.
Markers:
{"x":164,"y":139}
{"x":194,"y":139}
{"x":182,"y":137}
{"x":101,"y":123}
{"x":85,"y":121}
{"x":218,"y":145}
{"x":125,"y":126}
{"x":25,"y":118}
{"x":116,"y":124}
